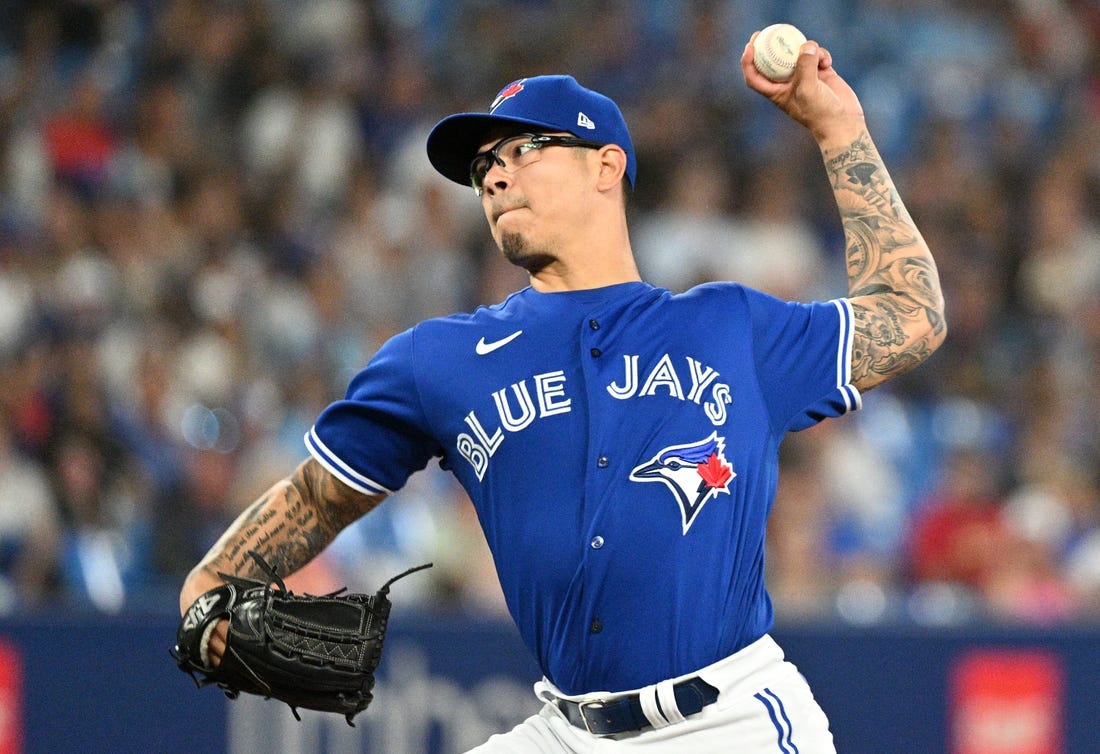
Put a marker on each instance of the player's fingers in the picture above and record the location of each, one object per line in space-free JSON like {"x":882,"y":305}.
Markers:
{"x":746,"y":54}
{"x":809,"y":58}
{"x":215,"y":646}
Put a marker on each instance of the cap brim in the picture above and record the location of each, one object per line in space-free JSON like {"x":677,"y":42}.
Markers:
{"x":455,"y":141}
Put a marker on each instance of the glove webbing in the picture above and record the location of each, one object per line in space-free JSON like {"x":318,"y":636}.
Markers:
{"x":236,"y":583}
{"x":274,"y":578}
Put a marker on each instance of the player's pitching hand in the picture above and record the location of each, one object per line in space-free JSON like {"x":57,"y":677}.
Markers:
{"x":816,"y":96}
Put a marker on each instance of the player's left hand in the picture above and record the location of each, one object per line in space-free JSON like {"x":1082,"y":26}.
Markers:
{"x":816,"y":95}
{"x":317,"y":653}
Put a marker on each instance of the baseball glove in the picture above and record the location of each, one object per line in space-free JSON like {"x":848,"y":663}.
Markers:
{"x":313,"y":652}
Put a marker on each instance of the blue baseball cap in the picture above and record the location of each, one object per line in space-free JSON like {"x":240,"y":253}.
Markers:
{"x":543,"y":103}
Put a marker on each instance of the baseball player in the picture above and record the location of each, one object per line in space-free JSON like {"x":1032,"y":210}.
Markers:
{"x":620,"y":443}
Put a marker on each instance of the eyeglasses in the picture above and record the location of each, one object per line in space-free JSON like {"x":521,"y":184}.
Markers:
{"x":514,"y":152}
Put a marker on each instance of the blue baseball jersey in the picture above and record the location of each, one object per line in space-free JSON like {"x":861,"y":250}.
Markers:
{"x":621,"y":448}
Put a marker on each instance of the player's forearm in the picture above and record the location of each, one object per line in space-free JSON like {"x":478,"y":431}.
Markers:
{"x":289,"y":525}
{"x":892,"y":279}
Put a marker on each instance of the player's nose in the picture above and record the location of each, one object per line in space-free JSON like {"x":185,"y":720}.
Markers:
{"x":496,"y":179}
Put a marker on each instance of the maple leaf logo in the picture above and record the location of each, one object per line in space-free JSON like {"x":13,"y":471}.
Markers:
{"x":716,"y":473}
{"x":507,"y":93}
{"x":695,"y":473}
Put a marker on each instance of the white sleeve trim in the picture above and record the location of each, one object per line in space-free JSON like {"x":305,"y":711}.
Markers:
{"x":852,"y":398}
{"x":340,"y":469}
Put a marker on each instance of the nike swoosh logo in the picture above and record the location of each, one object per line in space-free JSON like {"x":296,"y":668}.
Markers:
{"x":483,"y":348}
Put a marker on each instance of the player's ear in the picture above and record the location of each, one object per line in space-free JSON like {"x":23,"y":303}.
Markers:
{"x":612,"y":166}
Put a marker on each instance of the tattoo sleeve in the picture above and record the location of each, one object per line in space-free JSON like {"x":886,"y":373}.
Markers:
{"x":290,"y":524}
{"x":892,"y":280}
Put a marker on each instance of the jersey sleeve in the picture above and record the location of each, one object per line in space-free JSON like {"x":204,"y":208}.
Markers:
{"x":803,"y":359}
{"x":377,"y":436}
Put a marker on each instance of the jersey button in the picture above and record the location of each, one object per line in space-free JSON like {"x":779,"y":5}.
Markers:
{"x":594,"y":324}
{"x":602,"y":462}
{"x":596,"y":626}
{"x":596,"y":353}
{"x":597,"y":542}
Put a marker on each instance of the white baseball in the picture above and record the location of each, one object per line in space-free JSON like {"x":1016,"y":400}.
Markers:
{"x":775,"y":51}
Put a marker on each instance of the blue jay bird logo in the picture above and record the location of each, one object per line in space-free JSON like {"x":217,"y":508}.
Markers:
{"x":695,"y":473}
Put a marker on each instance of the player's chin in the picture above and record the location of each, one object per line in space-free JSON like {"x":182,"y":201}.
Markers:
{"x":521,"y":253}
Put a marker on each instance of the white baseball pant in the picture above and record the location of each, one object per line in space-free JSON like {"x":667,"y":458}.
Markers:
{"x":764,"y":706}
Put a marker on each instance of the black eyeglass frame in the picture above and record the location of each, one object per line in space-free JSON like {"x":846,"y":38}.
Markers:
{"x":492,"y":155}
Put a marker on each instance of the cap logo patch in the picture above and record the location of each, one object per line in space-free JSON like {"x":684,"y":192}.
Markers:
{"x":507,"y":93}
{"x":585,"y":122}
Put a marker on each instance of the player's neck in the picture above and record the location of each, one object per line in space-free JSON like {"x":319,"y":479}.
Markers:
{"x":594,"y":270}
{"x":598,"y":254}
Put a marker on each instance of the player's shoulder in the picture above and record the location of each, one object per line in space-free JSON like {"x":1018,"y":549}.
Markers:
{"x":729,"y":292}
{"x":723,"y":293}
{"x":735,"y":302}
{"x":482,"y":314}
{"x":439,"y":335}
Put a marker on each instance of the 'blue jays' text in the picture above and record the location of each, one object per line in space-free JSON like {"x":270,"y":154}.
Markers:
{"x":543,"y":395}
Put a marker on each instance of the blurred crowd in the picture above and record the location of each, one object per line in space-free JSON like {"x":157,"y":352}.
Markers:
{"x":212,"y":212}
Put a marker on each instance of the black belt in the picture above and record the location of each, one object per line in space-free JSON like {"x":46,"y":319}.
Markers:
{"x":624,"y":714}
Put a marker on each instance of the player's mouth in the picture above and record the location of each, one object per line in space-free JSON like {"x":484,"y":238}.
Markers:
{"x":499,"y":212}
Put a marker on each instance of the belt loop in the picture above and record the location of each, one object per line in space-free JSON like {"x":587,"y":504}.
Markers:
{"x":651,"y":709}
{"x":544,"y":692}
{"x":666,"y":697}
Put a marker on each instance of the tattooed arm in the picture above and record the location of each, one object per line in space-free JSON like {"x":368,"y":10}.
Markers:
{"x":892,"y":280}
{"x":289,"y":526}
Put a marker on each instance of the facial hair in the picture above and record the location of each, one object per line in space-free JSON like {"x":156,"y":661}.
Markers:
{"x":520,"y":253}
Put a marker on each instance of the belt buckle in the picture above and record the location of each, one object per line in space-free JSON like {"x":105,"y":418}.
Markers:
{"x":583,"y":706}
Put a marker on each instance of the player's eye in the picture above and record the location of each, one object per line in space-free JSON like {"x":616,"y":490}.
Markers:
{"x":509,"y":153}
{"x":523,"y":147}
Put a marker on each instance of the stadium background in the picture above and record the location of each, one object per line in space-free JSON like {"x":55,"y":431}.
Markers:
{"x":212,"y":213}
